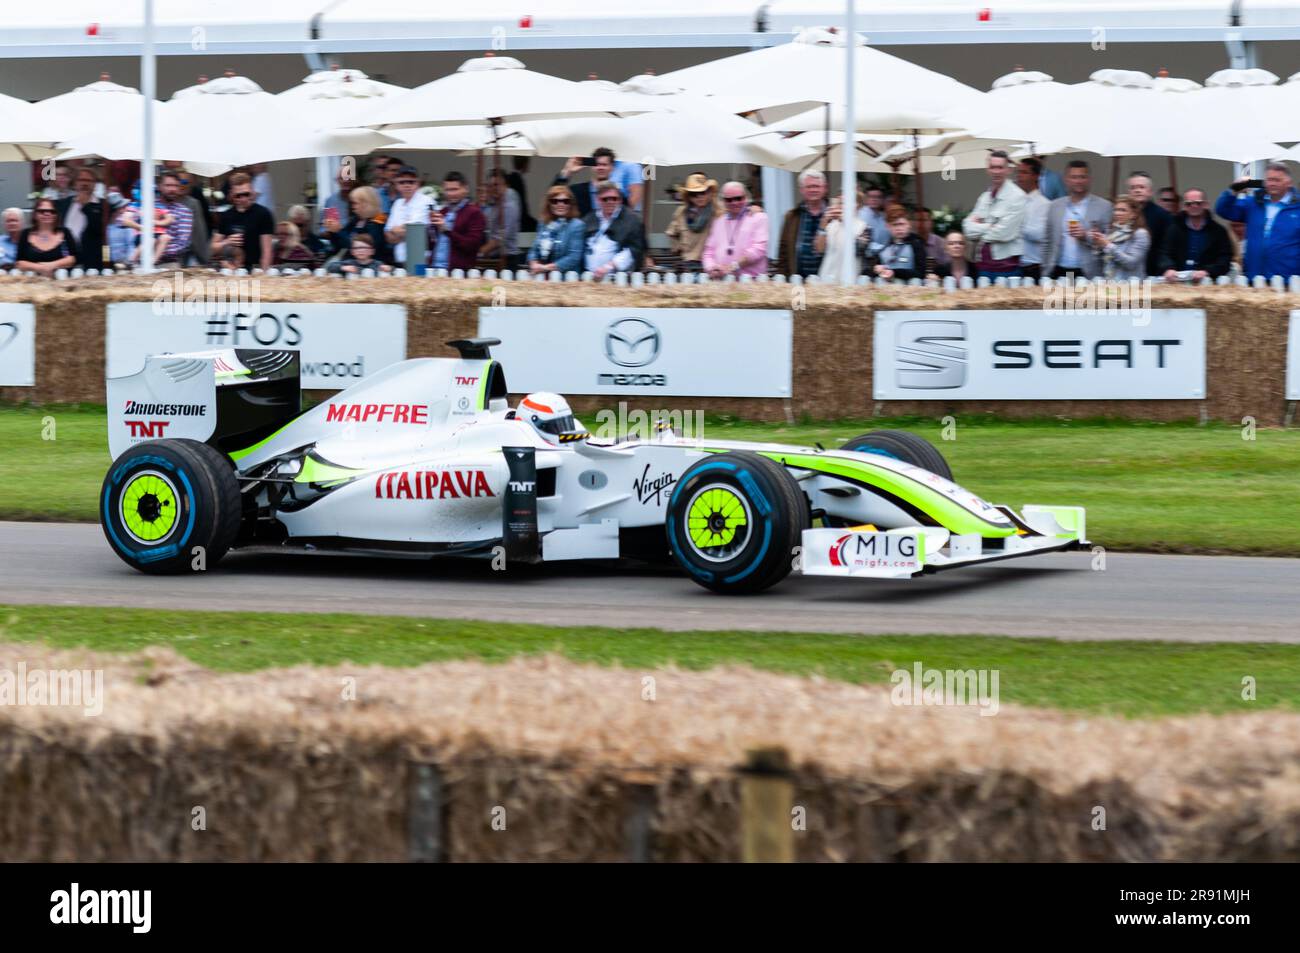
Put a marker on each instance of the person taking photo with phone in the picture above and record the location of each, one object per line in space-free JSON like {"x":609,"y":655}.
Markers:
{"x":1270,"y":210}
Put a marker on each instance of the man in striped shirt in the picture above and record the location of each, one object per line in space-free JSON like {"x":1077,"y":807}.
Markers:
{"x":182,"y":225}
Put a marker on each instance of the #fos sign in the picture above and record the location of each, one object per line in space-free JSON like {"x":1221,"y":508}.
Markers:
{"x":339,"y":343}
{"x":1035,"y":355}
{"x":703,"y":352}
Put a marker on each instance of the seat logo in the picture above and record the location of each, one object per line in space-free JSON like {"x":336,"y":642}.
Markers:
{"x":931,"y":354}
{"x":632,"y":342}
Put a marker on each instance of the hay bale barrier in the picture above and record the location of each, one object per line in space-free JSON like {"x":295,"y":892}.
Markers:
{"x":1246,"y":338}
{"x":544,"y":759}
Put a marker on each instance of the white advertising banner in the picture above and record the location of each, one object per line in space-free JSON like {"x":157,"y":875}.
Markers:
{"x":17,"y":345}
{"x":690,"y":352}
{"x":339,"y":343}
{"x":1039,"y":355}
{"x":1293,"y":358}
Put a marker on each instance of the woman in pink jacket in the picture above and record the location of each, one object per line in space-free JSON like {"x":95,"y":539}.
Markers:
{"x":737,"y":242}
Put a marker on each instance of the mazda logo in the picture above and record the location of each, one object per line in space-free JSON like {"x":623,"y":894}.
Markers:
{"x":632,"y":342}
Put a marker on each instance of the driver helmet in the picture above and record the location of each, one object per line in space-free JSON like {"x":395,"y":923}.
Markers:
{"x":552,"y":417}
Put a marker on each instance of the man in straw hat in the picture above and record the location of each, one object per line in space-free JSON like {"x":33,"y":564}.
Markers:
{"x":690,"y":224}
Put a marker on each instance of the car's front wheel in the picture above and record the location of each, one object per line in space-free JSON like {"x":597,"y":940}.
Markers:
{"x":734,"y":521}
{"x":170,"y":506}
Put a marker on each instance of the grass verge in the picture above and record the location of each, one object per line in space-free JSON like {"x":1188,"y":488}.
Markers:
{"x":1124,"y":678}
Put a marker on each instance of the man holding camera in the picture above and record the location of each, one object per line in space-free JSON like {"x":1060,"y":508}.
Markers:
{"x":604,"y":168}
{"x":1270,"y":209}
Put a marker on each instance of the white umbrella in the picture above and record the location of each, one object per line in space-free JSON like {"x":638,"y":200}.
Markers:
{"x":227,"y":122}
{"x":1254,"y":98}
{"x":339,"y":98}
{"x":490,"y":91}
{"x":92,"y":105}
{"x":1128,"y":113}
{"x":781,"y":82}
{"x":464,"y":140}
{"x":674,"y":128}
{"x":26,"y":134}
{"x":1031,"y":97}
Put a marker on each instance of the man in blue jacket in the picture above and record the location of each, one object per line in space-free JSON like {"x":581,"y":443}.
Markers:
{"x":1272,"y":217}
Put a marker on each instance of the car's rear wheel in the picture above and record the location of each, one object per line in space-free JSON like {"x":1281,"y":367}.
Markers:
{"x":170,"y":506}
{"x":902,"y":445}
{"x":734,"y":520}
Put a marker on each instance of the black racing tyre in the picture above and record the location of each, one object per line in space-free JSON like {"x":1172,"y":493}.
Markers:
{"x":902,"y":445}
{"x":734,"y":520}
{"x":163,"y":498}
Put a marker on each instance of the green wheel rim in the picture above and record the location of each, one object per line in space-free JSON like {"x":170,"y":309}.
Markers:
{"x":149,"y":506}
{"x":718,"y":522}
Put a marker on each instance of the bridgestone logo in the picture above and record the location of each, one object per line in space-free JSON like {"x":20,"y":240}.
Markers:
{"x":166,"y":410}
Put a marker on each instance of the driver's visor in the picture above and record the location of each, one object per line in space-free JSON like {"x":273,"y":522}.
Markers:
{"x":557,"y":425}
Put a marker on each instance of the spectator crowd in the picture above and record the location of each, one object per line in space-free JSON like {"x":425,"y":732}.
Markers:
{"x":1028,"y":222}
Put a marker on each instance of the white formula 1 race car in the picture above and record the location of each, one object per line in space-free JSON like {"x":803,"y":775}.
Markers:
{"x":211,"y":451}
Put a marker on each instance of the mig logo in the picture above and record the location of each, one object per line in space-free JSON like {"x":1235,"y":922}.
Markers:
{"x":872,"y":550}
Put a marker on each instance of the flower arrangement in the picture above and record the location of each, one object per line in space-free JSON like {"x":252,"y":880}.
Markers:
{"x":947,"y":219}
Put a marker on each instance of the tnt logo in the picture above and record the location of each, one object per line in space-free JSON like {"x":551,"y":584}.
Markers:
{"x":147,"y":428}
{"x":466,"y":381}
{"x":522,"y":486}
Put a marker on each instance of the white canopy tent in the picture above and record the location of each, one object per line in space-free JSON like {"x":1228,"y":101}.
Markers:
{"x":492,"y":91}
{"x":673,"y":128}
{"x":25,"y":134}
{"x":227,"y":122}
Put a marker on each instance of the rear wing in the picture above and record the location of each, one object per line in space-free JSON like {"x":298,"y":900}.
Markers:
{"x":229,"y":398}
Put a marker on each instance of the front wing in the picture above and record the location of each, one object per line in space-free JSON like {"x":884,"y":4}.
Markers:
{"x":906,"y":551}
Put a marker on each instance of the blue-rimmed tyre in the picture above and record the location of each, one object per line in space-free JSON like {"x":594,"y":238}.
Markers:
{"x":734,"y":520}
{"x":904,"y":446}
{"x":162,"y":499}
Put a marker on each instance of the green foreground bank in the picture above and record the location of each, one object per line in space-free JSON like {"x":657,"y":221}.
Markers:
{"x":1137,"y":679}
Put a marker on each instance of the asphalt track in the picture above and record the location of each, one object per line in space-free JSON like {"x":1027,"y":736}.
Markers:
{"x":1136,"y":596}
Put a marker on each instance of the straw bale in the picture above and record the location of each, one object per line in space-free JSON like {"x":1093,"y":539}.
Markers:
{"x":832,"y":350}
{"x":287,"y":769}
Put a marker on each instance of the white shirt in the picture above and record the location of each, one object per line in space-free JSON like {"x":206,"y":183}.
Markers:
{"x":1072,"y":250}
{"x":404,"y":212}
{"x":75,"y":220}
{"x":1034,"y":231}
{"x":603,"y":250}
{"x":262,"y":186}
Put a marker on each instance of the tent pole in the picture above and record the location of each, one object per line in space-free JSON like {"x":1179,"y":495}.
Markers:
{"x":1173,"y":175}
{"x":1114,"y":179}
{"x":826,"y":145}
{"x":920,"y":190}
{"x":501,"y":199}
{"x":849,"y":266}
{"x":148,"y":82}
